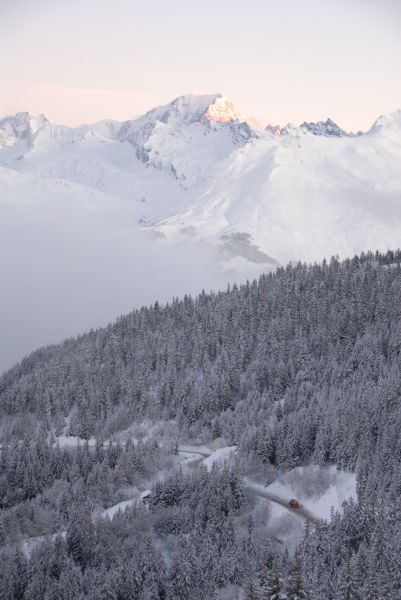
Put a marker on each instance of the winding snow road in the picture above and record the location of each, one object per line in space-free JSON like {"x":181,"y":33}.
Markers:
{"x":256,"y":488}
{"x":302,"y":512}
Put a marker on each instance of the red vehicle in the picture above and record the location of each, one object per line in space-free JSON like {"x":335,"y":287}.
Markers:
{"x":294,"y":503}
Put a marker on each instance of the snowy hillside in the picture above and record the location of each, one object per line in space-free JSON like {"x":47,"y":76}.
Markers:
{"x":222,"y":441}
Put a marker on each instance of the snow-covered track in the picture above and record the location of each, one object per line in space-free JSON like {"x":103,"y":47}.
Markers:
{"x":302,"y":512}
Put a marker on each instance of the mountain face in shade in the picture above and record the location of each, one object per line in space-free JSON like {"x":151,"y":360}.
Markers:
{"x":21,"y":126}
{"x":327,"y":128}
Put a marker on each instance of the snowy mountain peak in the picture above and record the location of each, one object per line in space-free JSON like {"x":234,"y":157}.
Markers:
{"x":327,"y":128}
{"x":390,"y":122}
{"x":274,"y":129}
{"x":193,"y":108}
{"x":190,"y":170}
{"x":21,"y":126}
{"x":222,"y":110}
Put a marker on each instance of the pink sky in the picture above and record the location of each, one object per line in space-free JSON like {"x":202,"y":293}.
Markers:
{"x":293,"y":60}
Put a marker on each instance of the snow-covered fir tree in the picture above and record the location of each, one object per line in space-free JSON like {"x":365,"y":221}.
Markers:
{"x":301,"y":366}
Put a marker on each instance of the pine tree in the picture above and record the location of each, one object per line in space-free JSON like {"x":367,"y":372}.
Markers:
{"x":80,"y":536}
{"x":251,"y":588}
{"x":296,"y":589}
{"x":106,"y":590}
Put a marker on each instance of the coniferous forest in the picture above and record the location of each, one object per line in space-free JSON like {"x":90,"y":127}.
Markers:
{"x":302,"y":367}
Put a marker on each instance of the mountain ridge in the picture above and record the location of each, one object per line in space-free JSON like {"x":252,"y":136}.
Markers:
{"x":196,"y":170}
{"x":189,"y":108}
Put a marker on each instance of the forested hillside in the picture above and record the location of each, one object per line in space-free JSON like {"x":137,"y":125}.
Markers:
{"x":302,"y":366}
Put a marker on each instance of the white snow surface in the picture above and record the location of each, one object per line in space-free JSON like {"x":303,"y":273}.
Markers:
{"x":319,"y":490}
{"x":72,"y":441}
{"x":30,"y":544}
{"x":122,"y":506}
{"x":219,"y":457}
{"x":194,"y":176}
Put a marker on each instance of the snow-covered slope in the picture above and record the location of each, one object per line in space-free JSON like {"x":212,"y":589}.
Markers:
{"x":196,"y":169}
{"x":304,"y":196}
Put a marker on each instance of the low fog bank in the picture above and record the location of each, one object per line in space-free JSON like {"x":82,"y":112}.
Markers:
{"x":64,"y":270}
